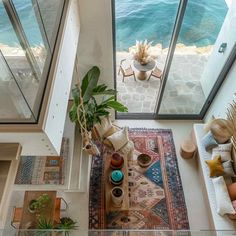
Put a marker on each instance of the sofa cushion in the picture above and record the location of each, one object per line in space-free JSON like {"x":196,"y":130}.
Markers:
{"x":119,"y":139}
{"x":232,"y":191}
{"x":208,"y":141}
{"x":223,"y":150}
{"x":207,"y":126}
{"x":111,"y":131}
{"x":215,"y":167}
{"x":222,"y":130}
{"x":233,"y":156}
{"x":223,"y":202}
{"x":103,"y":126}
{"x":233,"y":216}
{"x":228,"y":169}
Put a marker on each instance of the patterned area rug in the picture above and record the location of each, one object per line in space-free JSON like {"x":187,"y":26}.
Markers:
{"x":43,"y":169}
{"x":156,"y":198}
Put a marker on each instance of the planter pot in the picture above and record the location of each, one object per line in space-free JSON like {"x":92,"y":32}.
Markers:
{"x":144,"y":160}
{"x":117,"y":196}
{"x":117,"y":161}
{"x":116,"y":177}
{"x":30,"y":208}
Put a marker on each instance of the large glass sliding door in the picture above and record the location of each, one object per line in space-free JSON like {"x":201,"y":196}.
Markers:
{"x":184,"y":91}
{"x":185,"y":35}
{"x":138,"y":21}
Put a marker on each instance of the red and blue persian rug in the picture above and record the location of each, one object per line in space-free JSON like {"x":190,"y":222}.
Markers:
{"x":156,"y":197}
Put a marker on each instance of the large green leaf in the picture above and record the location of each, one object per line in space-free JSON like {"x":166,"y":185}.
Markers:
{"x":73,"y":113}
{"x":75,"y":95}
{"x":106,"y":92}
{"x":89,"y":82}
{"x":100,"y":88}
{"x":117,"y":106}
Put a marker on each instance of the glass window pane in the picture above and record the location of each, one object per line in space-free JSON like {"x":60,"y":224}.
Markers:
{"x":27,"y":43}
{"x":184,"y":93}
{"x":13,"y":106}
{"x":142,"y":20}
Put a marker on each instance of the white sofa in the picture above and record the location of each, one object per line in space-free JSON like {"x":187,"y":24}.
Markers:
{"x":217,"y":222}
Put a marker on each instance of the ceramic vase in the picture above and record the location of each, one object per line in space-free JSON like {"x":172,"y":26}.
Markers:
{"x":117,"y":161}
{"x":117,"y":196}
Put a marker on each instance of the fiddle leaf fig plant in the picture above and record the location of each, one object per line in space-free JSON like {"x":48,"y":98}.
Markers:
{"x":97,"y":100}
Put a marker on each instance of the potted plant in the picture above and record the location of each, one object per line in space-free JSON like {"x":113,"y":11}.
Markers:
{"x":117,"y":196}
{"x":141,"y":52}
{"x":91,"y":101}
{"x":37,"y":205}
{"x":45,"y":226}
{"x":86,"y":108}
{"x":66,"y":224}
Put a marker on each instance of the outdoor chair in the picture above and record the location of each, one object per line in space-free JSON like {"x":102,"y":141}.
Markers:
{"x":16,"y":217}
{"x":126,"y":72}
{"x":157,"y":73}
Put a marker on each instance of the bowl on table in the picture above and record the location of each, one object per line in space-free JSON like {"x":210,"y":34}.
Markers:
{"x":144,"y":160}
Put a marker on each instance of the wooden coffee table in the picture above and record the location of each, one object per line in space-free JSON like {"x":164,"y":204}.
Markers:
{"x":28,"y":217}
{"x":108,"y":186}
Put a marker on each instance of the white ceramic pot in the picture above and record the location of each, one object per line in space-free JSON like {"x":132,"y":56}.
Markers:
{"x":117,"y":196}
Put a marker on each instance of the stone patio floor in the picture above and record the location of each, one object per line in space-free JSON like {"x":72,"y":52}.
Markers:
{"x":183,"y":92}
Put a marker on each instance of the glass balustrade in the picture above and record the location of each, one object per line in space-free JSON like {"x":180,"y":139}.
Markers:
{"x":28,"y":30}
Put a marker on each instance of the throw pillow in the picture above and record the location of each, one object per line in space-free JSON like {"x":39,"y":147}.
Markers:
{"x":223,"y":202}
{"x":232,"y":191}
{"x":119,"y":139}
{"x":103,"y":126}
{"x":128,"y":149}
{"x":215,"y":167}
{"x":207,"y":126}
{"x":208,"y":141}
{"x":223,"y":150}
{"x":222,"y":130}
{"x":111,"y":131}
{"x":233,"y":216}
{"x":233,"y":156}
{"x":228,"y":169}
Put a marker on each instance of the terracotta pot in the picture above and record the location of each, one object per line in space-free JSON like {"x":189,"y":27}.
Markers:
{"x":117,"y":161}
{"x":117,"y":196}
{"x":232,"y":191}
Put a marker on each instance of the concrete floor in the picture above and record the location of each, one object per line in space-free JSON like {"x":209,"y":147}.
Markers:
{"x":197,"y":210}
{"x":183,"y":92}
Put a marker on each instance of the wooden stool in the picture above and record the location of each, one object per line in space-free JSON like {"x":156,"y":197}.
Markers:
{"x":187,"y":149}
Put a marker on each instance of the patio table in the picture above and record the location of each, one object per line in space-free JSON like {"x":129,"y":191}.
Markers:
{"x":143,"y":69}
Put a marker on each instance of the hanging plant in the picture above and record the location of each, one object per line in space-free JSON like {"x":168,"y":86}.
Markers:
{"x":86,"y":110}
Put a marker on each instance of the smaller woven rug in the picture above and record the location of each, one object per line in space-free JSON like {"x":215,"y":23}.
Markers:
{"x":156,"y":197}
{"x":43,"y":169}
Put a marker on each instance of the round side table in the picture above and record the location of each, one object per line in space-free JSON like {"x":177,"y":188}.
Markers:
{"x":187,"y":149}
{"x":143,"y":69}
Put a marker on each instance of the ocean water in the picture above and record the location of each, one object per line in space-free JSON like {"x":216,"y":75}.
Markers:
{"x":28,"y":20}
{"x":154,"y":20}
{"x":136,"y":20}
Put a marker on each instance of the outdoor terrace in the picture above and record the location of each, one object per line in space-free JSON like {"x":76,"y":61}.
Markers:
{"x":183,"y":93}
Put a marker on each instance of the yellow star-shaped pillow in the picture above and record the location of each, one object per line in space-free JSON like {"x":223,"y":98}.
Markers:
{"x":215,"y":167}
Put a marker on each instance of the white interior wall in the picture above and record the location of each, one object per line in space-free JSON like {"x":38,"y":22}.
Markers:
{"x":225,"y":95}
{"x":95,"y":44}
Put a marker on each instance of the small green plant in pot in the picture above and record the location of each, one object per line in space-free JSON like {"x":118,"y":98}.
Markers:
{"x":66,"y":224}
{"x":45,"y":226}
{"x":39,"y":204}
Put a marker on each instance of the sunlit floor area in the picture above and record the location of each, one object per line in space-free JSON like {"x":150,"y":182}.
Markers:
{"x":78,"y":202}
{"x":183,"y":93}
